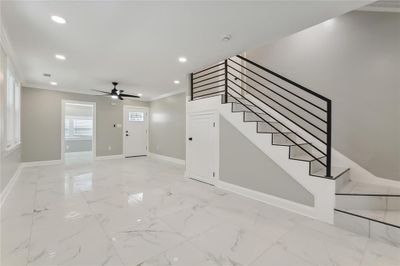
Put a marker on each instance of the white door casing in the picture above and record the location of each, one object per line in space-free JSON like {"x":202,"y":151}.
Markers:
{"x":135,"y":131}
{"x":94,"y":135}
{"x":202,"y":141}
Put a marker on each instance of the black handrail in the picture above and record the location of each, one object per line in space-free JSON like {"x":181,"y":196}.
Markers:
{"x":285,"y":79}
{"x":223,"y":80}
{"x":286,"y":90}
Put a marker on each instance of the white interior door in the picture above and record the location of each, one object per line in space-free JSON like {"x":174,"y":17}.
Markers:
{"x":135,"y":131}
{"x":201,"y":147}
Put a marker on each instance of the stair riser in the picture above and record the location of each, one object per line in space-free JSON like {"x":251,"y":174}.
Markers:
{"x":297,"y":151}
{"x":251,"y":117}
{"x":316,"y":166}
{"x":263,"y":127}
{"x":278,"y":139}
{"x":236,"y":107}
{"x":239,"y":101}
{"x":342,"y":181}
{"x":367,"y":202}
{"x":368,"y":228}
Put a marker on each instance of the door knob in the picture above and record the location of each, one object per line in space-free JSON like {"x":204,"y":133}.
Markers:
{"x":190,"y":138}
{"x":127,"y":135}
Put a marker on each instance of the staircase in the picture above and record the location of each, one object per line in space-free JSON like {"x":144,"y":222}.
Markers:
{"x":292,"y":125}
{"x":295,"y":116}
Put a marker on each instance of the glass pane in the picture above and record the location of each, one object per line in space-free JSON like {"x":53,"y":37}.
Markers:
{"x":136,"y":116}
{"x":82,"y":127}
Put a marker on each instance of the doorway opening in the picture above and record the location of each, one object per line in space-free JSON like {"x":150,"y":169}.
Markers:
{"x":78,"y":140}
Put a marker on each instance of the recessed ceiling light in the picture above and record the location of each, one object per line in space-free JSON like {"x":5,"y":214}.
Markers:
{"x":182,"y":59}
{"x":53,"y":83}
{"x":177,"y":81}
{"x":60,"y":56}
{"x":58,"y":19}
{"x":140,"y":94}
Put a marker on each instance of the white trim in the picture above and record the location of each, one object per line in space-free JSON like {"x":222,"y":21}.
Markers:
{"x":41,"y":163}
{"x":172,"y":93}
{"x":147,"y":125}
{"x":6,"y":191}
{"x":110,"y":157}
{"x":380,"y":9}
{"x":268,"y":199}
{"x":167,"y":158}
{"x":6,"y":44}
{"x":63,"y":103}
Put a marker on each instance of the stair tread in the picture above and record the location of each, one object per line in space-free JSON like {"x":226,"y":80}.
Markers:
{"x":387,"y":216}
{"x":355,"y":187}
{"x":307,"y":157}
{"x":336,"y":171}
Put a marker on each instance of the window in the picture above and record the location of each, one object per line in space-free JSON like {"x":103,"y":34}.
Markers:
{"x":82,"y":127}
{"x":136,"y":117}
{"x":13,"y":111}
{"x":10,"y":109}
{"x":78,"y":127}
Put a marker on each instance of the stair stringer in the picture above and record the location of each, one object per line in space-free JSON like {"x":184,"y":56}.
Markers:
{"x":322,"y":189}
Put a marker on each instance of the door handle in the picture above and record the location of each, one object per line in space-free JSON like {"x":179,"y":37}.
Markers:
{"x":190,"y":138}
{"x":127,"y":135}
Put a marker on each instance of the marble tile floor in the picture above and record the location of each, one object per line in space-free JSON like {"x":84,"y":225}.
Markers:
{"x":142,"y":211}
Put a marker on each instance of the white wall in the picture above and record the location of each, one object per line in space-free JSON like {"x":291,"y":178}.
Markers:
{"x":354,"y":60}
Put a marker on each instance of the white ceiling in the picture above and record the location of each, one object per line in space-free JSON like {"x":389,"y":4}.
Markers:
{"x":138,"y":43}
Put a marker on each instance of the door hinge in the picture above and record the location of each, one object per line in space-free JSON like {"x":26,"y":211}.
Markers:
{"x":213,"y":124}
{"x":146,"y":148}
{"x":213,"y":174}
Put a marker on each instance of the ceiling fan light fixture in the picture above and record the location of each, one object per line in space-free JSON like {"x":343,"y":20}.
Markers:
{"x":114,"y":96}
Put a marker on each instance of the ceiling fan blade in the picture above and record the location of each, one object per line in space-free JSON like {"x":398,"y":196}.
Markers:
{"x":101,"y":91}
{"x":119,"y":97}
{"x":129,"y":95}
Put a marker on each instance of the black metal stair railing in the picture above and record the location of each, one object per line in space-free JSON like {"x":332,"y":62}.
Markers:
{"x":261,"y":92}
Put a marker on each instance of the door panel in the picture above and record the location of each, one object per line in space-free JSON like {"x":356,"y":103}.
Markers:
{"x":135,"y":131}
{"x":201,"y":141}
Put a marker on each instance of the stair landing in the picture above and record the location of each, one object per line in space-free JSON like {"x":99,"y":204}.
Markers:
{"x":369,"y":209}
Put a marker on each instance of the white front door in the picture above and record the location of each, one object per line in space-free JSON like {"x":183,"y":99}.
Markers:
{"x":135,"y":131}
{"x":201,"y":157}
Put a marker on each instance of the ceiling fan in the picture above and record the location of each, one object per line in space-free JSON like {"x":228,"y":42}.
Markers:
{"x":117,"y":94}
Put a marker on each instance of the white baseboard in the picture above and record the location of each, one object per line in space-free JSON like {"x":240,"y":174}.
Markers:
{"x":41,"y":163}
{"x":110,"y":157}
{"x":6,"y":191}
{"x":268,"y":199}
{"x":167,"y":158}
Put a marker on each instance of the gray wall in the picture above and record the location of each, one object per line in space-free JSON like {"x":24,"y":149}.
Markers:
{"x":168,"y":126}
{"x":354,"y":61}
{"x":243,"y":164}
{"x":41,"y":123}
{"x":9,"y":160}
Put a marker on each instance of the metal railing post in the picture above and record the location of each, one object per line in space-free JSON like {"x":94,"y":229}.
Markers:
{"x":226,"y":81}
{"x":329,"y":137}
{"x":191,"y":86}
